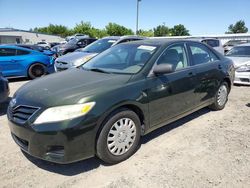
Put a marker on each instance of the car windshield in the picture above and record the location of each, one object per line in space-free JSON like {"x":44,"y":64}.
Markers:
{"x":73,"y":41}
{"x":121,"y":59}
{"x":235,"y":42}
{"x":99,"y":46}
{"x":239,"y":51}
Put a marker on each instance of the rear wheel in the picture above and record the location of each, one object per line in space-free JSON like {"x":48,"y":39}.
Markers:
{"x":119,"y":138}
{"x":221,"y":97}
{"x":37,"y":70}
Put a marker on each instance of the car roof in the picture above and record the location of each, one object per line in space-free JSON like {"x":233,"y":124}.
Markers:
{"x":158,"y":42}
{"x":245,"y":44}
{"x":124,"y":37}
{"x":16,"y":47}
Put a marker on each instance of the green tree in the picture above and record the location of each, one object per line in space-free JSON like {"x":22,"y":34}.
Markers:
{"x":146,"y":33}
{"x":179,"y":30}
{"x":114,"y":29}
{"x":53,"y":30}
{"x":161,"y":30}
{"x":84,"y":28}
{"x":238,"y":27}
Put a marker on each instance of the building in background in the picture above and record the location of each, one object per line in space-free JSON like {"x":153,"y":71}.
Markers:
{"x":12,"y":36}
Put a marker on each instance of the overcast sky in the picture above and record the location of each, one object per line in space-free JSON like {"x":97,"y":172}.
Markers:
{"x":199,"y":16}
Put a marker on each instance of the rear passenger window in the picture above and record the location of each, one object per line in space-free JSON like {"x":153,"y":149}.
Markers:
{"x":22,"y":52}
{"x":201,"y":54}
{"x":7,"y":52}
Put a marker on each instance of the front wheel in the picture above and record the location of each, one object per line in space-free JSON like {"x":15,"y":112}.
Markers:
{"x":119,"y":138}
{"x":221,"y":97}
{"x":37,"y":70}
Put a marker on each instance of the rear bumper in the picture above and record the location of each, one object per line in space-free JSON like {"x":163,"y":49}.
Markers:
{"x":50,"y":68}
{"x":242,"y":78}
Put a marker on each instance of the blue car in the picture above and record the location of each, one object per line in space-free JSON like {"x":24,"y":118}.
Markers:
{"x":22,"y":62}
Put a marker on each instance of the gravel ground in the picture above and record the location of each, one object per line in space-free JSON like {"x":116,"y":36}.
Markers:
{"x":205,"y":149}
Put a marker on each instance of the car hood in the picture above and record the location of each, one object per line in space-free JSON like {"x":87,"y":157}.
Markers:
{"x":238,"y":61}
{"x":75,"y":56}
{"x":68,"y":87}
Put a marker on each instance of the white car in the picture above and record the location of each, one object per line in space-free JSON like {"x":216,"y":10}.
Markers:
{"x":214,"y":43}
{"x":44,"y":44}
{"x":241,"y":57}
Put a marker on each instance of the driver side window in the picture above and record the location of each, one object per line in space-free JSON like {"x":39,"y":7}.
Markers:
{"x":176,"y":56}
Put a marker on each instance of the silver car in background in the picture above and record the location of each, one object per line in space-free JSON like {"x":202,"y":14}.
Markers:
{"x":82,"y":55}
{"x":214,"y":43}
{"x":241,"y":57}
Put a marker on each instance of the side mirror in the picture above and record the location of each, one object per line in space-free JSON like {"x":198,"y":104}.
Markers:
{"x":163,"y":69}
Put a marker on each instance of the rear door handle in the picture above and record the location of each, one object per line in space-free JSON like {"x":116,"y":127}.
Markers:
{"x":190,"y":74}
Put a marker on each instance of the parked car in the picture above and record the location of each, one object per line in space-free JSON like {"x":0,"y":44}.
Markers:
{"x":37,"y":48}
{"x":52,"y":44}
{"x":44,"y":44}
{"x":78,"y":35}
{"x":22,"y":62}
{"x":230,"y":44}
{"x":214,"y":43}
{"x":241,"y":57}
{"x":105,"y":106}
{"x":4,"y":88}
{"x":72,"y":45}
{"x":82,"y":55}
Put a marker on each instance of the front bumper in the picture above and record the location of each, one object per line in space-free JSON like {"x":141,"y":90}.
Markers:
{"x":242,"y":78}
{"x":64,"y":142}
{"x":4,"y":90}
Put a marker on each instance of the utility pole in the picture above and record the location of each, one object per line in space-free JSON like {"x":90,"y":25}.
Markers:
{"x":137,"y":16}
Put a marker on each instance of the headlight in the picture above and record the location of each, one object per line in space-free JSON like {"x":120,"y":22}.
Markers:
{"x":243,"y":68}
{"x":61,"y":113}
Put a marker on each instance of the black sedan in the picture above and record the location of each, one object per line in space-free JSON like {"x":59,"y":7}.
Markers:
{"x":105,"y":106}
{"x":4,"y":88}
{"x":72,"y":45}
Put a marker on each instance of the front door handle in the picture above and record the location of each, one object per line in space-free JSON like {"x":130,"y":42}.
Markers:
{"x":219,"y":66}
{"x":13,"y":60}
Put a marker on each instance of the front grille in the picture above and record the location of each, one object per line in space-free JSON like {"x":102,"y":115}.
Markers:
{"x":244,"y":79}
{"x":61,"y":62}
{"x":61,"y":69}
{"x":21,"y":114}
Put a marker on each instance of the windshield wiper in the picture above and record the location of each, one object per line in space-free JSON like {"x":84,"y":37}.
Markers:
{"x":99,"y":70}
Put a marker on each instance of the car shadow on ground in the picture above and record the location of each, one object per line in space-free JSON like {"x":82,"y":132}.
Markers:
{"x":18,"y":79}
{"x":4,"y":106}
{"x":173,"y":125}
{"x":93,"y":163}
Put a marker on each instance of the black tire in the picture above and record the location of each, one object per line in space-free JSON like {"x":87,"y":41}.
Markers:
{"x":36,"y":70}
{"x":103,"y":151}
{"x":217,"y":105}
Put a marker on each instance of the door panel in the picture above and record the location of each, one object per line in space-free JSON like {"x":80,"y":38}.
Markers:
{"x":172,"y":94}
{"x":207,"y":65}
{"x":12,"y":64}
